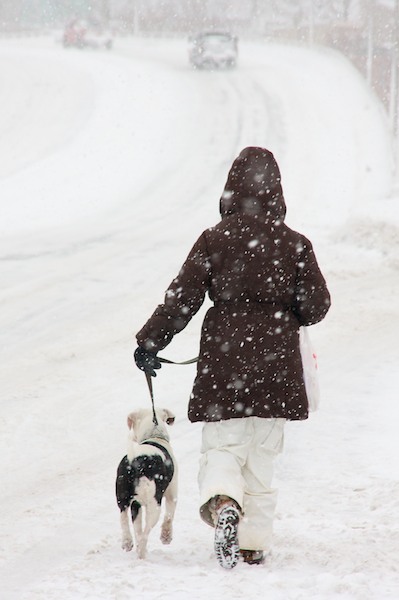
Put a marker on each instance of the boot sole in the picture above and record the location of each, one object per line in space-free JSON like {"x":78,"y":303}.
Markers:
{"x":227,"y":548}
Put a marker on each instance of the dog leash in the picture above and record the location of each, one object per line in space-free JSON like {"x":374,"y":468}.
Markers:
{"x":149,"y":381}
{"x":184,"y":362}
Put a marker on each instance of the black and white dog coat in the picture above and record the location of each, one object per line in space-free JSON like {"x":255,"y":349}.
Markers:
{"x":150,"y":466}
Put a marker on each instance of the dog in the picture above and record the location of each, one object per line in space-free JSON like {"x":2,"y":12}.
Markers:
{"x":145,"y":475}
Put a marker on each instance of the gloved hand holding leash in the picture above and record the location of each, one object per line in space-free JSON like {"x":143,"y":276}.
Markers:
{"x":147,"y":361}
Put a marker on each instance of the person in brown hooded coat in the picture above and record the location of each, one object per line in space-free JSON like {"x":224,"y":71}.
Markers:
{"x":264,"y":281}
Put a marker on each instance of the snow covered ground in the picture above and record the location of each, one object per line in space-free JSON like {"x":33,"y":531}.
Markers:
{"x":111,"y":165}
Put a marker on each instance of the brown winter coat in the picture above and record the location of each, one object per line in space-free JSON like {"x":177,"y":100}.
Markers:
{"x":264,"y":281}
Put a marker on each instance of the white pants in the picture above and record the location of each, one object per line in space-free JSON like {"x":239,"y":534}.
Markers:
{"x":237,"y":461}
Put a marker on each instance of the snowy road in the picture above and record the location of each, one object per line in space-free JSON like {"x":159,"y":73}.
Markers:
{"x":111,"y":164}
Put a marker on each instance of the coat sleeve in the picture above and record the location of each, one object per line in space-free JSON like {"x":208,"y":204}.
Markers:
{"x":312,"y":298}
{"x":183,"y":299}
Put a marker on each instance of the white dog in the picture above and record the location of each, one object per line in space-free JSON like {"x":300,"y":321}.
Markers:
{"x":146,"y":474}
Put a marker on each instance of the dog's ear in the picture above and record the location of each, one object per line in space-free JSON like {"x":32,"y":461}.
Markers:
{"x":131,"y":418}
{"x":168,"y":416}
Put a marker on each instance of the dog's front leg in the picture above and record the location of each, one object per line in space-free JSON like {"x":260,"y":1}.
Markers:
{"x":127,"y":540}
{"x":170,"y":507}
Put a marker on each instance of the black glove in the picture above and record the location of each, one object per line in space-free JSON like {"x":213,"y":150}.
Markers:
{"x":147,"y":361}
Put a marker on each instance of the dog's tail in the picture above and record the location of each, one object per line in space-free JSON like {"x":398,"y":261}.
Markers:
{"x":147,"y":491}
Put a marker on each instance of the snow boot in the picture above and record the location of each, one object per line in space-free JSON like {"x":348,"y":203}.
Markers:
{"x":226,"y":537}
{"x":253,"y":557}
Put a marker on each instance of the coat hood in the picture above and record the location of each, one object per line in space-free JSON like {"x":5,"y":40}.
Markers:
{"x":253,"y":186}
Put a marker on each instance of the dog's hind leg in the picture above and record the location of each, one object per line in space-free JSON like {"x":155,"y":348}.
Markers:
{"x":137,"y":518}
{"x":152,"y":513}
{"x":170,"y":508}
{"x":127,"y":540}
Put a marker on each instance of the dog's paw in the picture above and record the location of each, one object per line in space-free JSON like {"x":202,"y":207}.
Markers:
{"x":141,"y":550}
{"x":127,"y":544}
{"x":166,"y":535}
